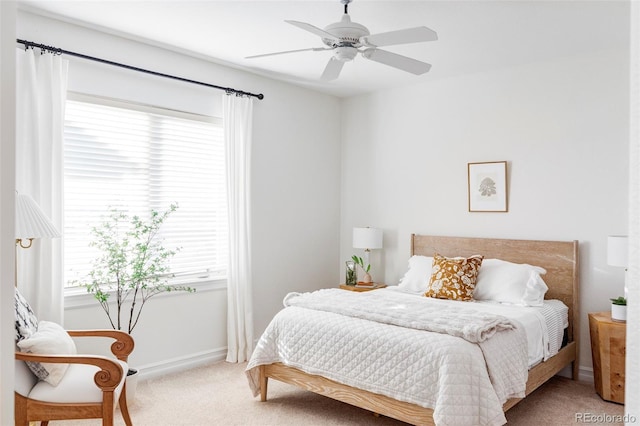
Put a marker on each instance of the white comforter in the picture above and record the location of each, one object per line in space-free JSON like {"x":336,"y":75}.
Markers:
{"x":464,"y":369}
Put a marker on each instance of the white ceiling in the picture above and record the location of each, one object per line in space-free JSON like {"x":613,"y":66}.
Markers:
{"x":473,"y":35}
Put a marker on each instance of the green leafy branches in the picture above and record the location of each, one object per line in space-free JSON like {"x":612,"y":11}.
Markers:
{"x":133,"y":265}
{"x":358,"y":260}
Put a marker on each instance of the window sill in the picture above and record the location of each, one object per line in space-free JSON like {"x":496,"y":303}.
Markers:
{"x":77,"y":297}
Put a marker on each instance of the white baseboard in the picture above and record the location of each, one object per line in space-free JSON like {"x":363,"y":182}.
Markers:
{"x":585,"y":374}
{"x":174,"y":365}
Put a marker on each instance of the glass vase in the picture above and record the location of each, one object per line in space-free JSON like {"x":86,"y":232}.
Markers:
{"x":351,"y":273}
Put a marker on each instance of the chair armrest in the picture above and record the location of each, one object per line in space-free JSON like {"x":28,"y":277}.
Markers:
{"x":107,"y":378}
{"x":121,"y":348}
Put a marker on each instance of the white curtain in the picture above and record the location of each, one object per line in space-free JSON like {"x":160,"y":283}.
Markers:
{"x":41,"y":96}
{"x":238,"y":113}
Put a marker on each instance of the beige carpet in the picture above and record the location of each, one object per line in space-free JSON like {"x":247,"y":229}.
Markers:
{"x":218,"y":394}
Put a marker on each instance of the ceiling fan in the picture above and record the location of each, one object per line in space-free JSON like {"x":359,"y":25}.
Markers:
{"x":347,"y":39}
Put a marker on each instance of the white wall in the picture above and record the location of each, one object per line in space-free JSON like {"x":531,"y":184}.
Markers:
{"x":7,"y":208}
{"x":563,"y":128}
{"x":295,"y":178}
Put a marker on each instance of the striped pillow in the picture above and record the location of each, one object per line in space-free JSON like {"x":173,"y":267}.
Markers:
{"x":26,"y":321}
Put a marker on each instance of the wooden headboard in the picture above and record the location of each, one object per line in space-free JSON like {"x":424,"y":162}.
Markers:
{"x":559,"y":258}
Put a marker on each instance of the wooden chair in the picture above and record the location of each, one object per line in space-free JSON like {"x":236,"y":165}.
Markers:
{"x":89,"y":388}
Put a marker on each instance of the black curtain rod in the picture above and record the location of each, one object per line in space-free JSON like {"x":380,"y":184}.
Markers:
{"x":59,"y":51}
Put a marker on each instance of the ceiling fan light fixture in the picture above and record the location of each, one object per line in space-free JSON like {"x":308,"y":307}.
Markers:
{"x":345,"y":53}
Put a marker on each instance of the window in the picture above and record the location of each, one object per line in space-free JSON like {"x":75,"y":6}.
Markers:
{"x":138,"y":158}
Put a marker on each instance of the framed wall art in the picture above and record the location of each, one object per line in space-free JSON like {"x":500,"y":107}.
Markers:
{"x":487,"y":186}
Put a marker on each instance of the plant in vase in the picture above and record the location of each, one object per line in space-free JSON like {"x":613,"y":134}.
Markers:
{"x":351,"y":273}
{"x":132,"y":267}
{"x":619,"y":309}
{"x":358,"y":261}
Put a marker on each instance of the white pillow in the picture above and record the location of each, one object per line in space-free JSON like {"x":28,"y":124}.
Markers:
{"x":506,"y":282}
{"x":50,"y":339}
{"x":416,"y":279}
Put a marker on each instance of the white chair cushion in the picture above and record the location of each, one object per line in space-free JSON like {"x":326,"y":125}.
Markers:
{"x":77,"y":385}
{"x":25,"y":380}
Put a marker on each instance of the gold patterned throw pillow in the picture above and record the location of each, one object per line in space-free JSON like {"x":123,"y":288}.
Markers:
{"x":454,"y":278}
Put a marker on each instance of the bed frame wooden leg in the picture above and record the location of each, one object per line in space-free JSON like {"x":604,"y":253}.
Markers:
{"x":264,"y":381}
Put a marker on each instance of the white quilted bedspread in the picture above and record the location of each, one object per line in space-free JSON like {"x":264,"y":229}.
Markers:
{"x":464,"y":369}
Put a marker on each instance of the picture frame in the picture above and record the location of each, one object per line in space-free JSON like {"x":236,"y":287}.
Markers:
{"x":487,"y":186}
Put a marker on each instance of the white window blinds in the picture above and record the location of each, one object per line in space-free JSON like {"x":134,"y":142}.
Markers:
{"x":137,"y":159}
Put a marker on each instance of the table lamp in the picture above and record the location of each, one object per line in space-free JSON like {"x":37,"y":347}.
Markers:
{"x":367,"y":239}
{"x":30,"y":223}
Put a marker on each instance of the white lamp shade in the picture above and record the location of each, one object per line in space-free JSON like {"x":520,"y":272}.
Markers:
{"x":367,"y":238}
{"x":617,"y":250}
{"x":31,"y":222}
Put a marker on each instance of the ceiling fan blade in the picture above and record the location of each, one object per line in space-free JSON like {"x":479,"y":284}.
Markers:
{"x":332,"y":70}
{"x":397,"y":61}
{"x":409,"y":35}
{"x":314,"y":49}
{"x":315,"y":30}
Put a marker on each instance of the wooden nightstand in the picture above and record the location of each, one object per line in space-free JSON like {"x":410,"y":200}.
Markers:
{"x":608,"y":348}
{"x":363,"y":288}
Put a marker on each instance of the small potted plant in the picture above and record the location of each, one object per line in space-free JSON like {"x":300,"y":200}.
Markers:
{"x":619,"y":309}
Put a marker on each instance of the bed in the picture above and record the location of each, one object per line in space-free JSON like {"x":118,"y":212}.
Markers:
{"x":558,"y":258}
